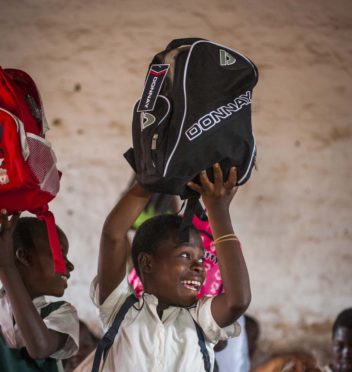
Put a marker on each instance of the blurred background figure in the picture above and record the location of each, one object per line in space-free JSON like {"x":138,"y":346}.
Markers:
{"x":253,"y":332}
{"x":341,"y":343}
{"x":236,"y":354}
{"x":293,"y":361}
{"x":87,"y":343}
{"x":234,"y":357}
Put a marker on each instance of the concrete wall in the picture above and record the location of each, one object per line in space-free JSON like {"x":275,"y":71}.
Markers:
{"x":294,"y":217}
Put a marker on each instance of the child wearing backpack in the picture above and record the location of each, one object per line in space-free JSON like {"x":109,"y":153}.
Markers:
{"x":168,"y":329}
{"x":34,"y":334}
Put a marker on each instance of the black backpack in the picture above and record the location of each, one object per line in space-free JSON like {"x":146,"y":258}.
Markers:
{"x":195,"y":110}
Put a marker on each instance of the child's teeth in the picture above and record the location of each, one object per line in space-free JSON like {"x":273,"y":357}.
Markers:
{"x":195,"y":283}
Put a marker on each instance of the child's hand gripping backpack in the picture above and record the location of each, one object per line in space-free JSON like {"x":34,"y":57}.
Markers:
{"x":195,"y":110}
{"x":29,"y":178}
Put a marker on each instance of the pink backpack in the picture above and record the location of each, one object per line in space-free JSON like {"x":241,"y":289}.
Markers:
{"x":29,"y":178}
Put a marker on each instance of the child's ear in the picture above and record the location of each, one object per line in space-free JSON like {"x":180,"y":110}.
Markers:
{"x":145,"y":263}
{"x":23,"y":257}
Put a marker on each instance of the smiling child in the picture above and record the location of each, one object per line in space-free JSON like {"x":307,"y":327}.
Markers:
{"x":159,"y":333}
{"x":34,"y":334}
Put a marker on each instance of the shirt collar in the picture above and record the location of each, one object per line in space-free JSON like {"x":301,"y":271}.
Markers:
{"x":150,"y":299}
{"x":39,"y":302}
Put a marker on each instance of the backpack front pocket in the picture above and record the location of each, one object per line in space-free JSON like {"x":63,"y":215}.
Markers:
{"x":149,"y":139}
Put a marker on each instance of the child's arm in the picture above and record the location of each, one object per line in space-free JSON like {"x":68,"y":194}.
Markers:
{"x":40,"y":341}
{"x":217,"y":196}
{"x":114,"y":244}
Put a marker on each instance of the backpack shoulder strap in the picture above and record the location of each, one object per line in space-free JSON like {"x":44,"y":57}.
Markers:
{"x":48,"y":309}
{"x":193,"y":206}
{"x":43,"y":213}
{"x":203,"y":349}
{"x":108,"y":339}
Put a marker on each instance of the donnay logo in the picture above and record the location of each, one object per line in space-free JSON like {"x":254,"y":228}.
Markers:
{"x":153,"y":84}
{"x":226,"y":59}
{"x":147,"y":119}
{"x":214,"y":117}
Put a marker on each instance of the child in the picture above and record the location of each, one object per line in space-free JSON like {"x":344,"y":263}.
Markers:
{"x":34,"y":335}
{"x":158,"y":333}
{"x":342,"y":343}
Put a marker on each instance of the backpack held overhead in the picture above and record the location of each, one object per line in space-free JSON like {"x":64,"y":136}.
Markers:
{"x":195,"y":110}
{"x":29,"y":178}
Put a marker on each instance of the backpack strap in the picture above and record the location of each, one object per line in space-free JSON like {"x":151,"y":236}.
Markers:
{"x":108,"y":339}
{"x":203,"y":349}
{"x":48,"y":309}
{"x":193,"y":206}
{"x":48,"y":217}
{"x":129,"y":155}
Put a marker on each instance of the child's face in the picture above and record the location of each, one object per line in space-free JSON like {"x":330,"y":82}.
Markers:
{"x":342,"y":348}
{"x":177,"y":271}
{"x":40,"y":277}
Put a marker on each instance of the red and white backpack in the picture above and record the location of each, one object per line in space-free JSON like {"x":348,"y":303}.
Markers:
{"x":29,"y":178}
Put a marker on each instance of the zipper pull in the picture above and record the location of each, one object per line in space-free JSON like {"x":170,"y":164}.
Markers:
{"x":154,"y":140}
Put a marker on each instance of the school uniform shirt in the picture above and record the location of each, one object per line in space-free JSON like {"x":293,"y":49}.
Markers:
{"x":64,"y":320}
{"x":146,"y":343}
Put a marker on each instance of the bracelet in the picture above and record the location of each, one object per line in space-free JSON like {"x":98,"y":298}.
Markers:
{"x":225,"y":238}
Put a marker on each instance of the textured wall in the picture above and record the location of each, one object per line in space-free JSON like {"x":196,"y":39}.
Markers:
{"x":294,"y":217}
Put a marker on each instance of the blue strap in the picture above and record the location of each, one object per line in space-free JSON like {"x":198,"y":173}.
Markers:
{"x":108,"y":339}
{"x":203,"y":349}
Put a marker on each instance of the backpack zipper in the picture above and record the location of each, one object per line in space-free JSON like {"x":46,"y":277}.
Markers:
{"x":154,"y":141}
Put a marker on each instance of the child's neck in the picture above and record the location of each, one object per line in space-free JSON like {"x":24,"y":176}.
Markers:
{"x":161,"y":306}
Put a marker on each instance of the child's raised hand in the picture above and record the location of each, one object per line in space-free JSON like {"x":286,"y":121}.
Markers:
{"x":219,"y":193}
{"x":7,"y":254}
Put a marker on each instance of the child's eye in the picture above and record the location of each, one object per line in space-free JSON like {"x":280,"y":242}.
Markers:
{"x":201,"y":260}
{"x":185,"y":255}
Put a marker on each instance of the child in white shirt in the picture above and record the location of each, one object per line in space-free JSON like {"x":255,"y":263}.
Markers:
{"x":158,"y":333}
{"x":34,"y":334}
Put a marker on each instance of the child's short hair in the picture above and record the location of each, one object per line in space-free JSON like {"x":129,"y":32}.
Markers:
{"x":26,"y":231}
{"x":152,"y":232}
{"x":344,"y":319}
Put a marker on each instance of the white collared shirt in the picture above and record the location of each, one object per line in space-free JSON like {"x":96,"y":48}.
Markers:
{"x":63,"y":320}
{"x":146,"y":343}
